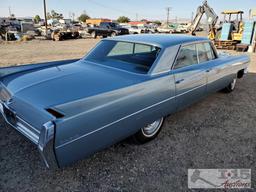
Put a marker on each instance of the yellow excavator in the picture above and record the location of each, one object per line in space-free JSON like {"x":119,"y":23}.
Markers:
{"x":236,"y":19}
{"x":233,"y":17}
{"x":212,"y":19}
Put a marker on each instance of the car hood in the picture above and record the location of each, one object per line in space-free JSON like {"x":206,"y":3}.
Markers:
{"x":66,"y":83}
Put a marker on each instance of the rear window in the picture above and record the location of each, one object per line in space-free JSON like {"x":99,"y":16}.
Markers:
{"x":134,"y":57}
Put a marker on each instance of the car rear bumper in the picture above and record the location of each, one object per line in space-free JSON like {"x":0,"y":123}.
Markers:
{"x":43,"y":139}
{"x":19,"y":124}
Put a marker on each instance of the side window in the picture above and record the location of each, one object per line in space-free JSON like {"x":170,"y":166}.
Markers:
{"x":205,"y":52}
{"x":139,"y":48}
{"x":187,"y":56}
{"x":210,"y":53}
{"x":202,"y":53}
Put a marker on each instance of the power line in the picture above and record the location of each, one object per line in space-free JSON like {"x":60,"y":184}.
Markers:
{"x":108,"y":7}
{"x":123,"y":11}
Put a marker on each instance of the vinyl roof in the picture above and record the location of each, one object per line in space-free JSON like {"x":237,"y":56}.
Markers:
{"x":160,"y":40}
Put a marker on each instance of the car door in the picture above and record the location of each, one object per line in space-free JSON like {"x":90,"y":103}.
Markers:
{"x":190,"y":78}
{"x":217,"y":71}
{"x":207,"y":58}
{"x":104,"y":29}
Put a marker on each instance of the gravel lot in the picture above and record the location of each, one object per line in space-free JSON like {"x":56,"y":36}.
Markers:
{"x":218,"y":132}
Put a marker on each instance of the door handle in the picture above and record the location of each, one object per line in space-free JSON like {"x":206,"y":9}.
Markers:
{"x":179,"y":81}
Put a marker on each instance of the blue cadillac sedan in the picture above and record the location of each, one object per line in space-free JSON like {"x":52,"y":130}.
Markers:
{"x":125,"y":86}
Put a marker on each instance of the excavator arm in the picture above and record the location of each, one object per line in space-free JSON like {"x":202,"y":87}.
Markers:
{"x":212,"y":17}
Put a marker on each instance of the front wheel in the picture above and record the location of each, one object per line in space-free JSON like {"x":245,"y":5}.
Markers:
{"x":231,"y":86}
{"x":149,"y":132}
{"x":94,"y":35}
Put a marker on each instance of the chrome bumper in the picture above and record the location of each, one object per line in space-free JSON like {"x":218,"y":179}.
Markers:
{"x":44,"y":139}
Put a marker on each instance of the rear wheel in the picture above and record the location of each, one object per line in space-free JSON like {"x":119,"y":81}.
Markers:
{"x":56,"y":37}
{"x":149,"y":132}
{"x":113,"y":34}
{"x":231,"y":86}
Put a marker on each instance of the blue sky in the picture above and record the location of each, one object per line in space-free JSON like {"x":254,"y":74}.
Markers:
{"x":149,"y":9}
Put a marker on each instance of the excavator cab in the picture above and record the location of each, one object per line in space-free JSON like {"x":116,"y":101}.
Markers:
{"x":236,"y":19}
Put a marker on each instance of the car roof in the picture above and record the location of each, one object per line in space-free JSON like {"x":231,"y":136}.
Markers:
{"x":159,"y":40}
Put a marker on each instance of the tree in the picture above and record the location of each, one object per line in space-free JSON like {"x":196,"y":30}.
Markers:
{"x":123,"y":19}
{"x":157,"y":22}
{"x":37,"y":19}
{"x":83,"y":17}
{"x":144,"y":20}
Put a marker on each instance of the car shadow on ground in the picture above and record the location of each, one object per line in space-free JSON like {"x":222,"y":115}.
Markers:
{"x":217,"y":132}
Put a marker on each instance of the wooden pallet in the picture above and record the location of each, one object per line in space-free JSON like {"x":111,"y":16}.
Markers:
{"x":229,"y":44}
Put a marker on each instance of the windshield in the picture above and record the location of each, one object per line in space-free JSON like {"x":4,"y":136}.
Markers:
{"x":114,"y":25}
{"x":134,"y":57}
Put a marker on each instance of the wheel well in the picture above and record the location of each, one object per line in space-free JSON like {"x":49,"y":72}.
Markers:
{"x":240,"y":73}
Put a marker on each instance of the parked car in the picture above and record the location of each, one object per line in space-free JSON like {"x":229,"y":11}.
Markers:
{"x":106,"y":29}
{"x":137,"y":30}
{"x":183,"y":28}
{"x":151,"y":29}
{"x":124,"y":87}
{"x":165,"y":29}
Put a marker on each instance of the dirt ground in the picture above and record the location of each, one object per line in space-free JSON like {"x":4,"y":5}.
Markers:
{"x":15,"y":53}
{"x":218,"y":132}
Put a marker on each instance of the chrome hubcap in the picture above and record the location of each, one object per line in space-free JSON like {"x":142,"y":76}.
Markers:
{"x":152,"y":128}
{"x":233,"y":84}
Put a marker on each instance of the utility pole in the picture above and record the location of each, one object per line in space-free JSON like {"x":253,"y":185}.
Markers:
{"x":45,"y":19}
{"x":73,"y":16}
{"x":168,"y":9}
{"x":192,"y":16}
{"x":10,"y":13}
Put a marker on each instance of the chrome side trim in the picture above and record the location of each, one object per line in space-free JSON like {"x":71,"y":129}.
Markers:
{"x":114,"y":122}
